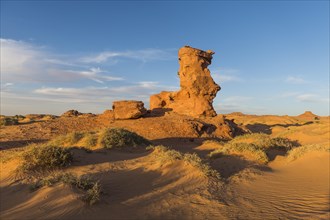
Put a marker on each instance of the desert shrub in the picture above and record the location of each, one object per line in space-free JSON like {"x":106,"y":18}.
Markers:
{"x":58,"y":141}
{"x":165,"y":154}
{"x":43,"y":158}
{"x":196,"y":161}
{"x":91,"y":188}
{"x":119,"y":138}
{"x":89,"y":140}
{"x":244,"y":149}
{"x":264,"y":141}
{"x":8,"y":121}
{"x":300,"y":151}
{"x":69,"y":139}
{"x":93,"y":194}
{"x":74,"y":137}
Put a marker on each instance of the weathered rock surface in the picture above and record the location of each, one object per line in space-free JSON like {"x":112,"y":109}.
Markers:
{"x":197,"y":88}
{"x":128,"y":109}
{"x":71,"y":113}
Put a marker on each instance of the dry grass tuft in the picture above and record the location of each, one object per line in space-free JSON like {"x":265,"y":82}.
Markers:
{"x":91,"y":188}
{"x":89,"y":140}
{"x":165,"y":154}
{"x":300,"y":151}
{"x":264,"y":141}
{"x":244,"y":149}
{"x":252,"y":146}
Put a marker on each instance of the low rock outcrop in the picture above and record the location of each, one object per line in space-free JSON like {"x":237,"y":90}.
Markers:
{"x":197,"y":88}
{"x":128,"y":109}
{"x":71,"y":113}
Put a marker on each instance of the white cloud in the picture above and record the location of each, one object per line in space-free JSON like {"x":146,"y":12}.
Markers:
{"x":237,"y":104}
{"x":95,"y":74}
{"x":221,"y":75}
{"x":139,"y":89}
{"x":142,"y":55}
{"x":24,"y":61}
{"x":311,"y":98}
{"x":295,"y":80}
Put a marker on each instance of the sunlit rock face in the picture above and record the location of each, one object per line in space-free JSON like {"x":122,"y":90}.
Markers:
{"x":128,"y":109}
{"x":197,"y":88}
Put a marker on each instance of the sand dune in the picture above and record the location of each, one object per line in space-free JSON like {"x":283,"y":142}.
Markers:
{"x":138,"y":185}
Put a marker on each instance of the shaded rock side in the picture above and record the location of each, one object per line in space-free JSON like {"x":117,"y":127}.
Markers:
{"x":128,"y":109}
{"x":197,"y":88}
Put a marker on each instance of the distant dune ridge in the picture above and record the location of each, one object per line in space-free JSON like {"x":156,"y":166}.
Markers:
{"x":178,"y":160}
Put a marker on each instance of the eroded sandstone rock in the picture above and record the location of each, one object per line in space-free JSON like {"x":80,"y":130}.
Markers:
{"x":71,"y":113}
{"x":197,"y":88}
{"x":128,"y":109}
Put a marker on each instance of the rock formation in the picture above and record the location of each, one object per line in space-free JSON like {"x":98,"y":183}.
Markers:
{"x":197,"y":88}
{"x":128,"y":109}
{"x":71,"y":113}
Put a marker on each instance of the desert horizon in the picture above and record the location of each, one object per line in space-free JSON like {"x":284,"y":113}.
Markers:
{"x":164,"y":110}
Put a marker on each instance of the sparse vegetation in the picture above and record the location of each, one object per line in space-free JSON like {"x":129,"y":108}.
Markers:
{"x":8,"y":121}
{"x":165,"y":154}
{"x":74,"y":137}
{"x":244,"y":149}
{"x":89,"y":140}
{"x":264,"y":141}
{"x":67,"y":140}
{"x":91,"y":188}
{"x":196,"y":161}
{"x":45,"y":158}
{"x":251,"y":146}
{"x":300,"y":151}
{"x":119,"y":138}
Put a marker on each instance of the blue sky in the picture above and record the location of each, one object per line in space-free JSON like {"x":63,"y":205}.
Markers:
{"x":271,"y":57}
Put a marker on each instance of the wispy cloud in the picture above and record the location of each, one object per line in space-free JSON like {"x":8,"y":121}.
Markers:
{"x":295,"y":80}
{"x":139,"y":89}
{"x":142,"y":55}
{"x":237,"y":104}
{"x":221,"y":75}
{"x":24,"y":61}
{"x":311,"y":98}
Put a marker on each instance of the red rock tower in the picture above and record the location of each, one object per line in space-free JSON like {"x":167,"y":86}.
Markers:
{"x":197,"y":88}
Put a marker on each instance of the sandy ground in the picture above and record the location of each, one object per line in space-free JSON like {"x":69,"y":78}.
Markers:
{"x":136,"y":185}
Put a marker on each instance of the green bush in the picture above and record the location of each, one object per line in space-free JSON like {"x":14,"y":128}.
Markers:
{"x":119,"y":138}
{"x":44,"y":158}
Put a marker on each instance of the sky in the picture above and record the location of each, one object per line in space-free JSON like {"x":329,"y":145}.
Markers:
{"x":271,"y":57}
